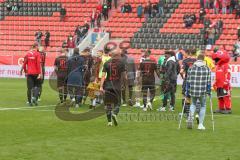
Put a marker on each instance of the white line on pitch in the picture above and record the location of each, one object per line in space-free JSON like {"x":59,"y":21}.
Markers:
{"x":19,"y":108}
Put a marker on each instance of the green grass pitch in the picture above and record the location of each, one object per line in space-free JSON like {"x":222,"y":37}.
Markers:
{"x":37,"y":134}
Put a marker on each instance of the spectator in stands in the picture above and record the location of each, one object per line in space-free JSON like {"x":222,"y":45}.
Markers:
{"x":70,"y":44}
{"x":109,"y":4}
{"x":105,"y":11}
{"x":237,"y":11}
{"x":201,"y":3}
{"x":77,"y":33}
{"x":84,"y":30}
{"x":9,"y":7}
{"x":206,"y":23}
{"x":211,"y":34}
{"x":207,"y":4}
{"x":193,"y":17}
{"x":115,"y":4}
{"x":236,"y":49}
{"x":188,"y":20}
{"x":64,"y":44}
{"x":126,"y":8}
{"x":139,"y":11}
{"x":154,"y":9}
{"x":202,"y":14}
{"x":232,"y":6}
{"x":38,"y":37}
{"x":224,"y":6}
{"x":129,"y":7}
{"x":238,"y":32}
{"x":161,"y":5}
{"x":211,"y":2}
{"x":63,"y":13}
{"x":15,"y":7}
{"x":99,"y":7}
{"x":148,"y":10}
{"x":123,"y":8}
{"x":47,"y":38}
{"x":216,"y":6}
{"x":93,"y":18}
{"x":220,"y":25}
{"x":98,"y":19}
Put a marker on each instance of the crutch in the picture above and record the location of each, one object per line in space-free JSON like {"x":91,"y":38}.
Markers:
{"x":180,"y":122}
{"x":211,"y":107}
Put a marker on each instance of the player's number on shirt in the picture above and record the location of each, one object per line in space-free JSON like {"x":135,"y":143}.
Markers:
{"x":113,"y":72}
{"x":62,"y":63}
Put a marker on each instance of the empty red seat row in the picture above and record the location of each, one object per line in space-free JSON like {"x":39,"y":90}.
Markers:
{"x":125,"y":24}
{"x":191,"y":1}
{"x":141,"y":1}
{"x":180,"y":30}
{"x":189,"y":6}
{"x":126,"y":19}
{"x":123,"y":30}
{"x":187,"y":10}
{"x":120,"y":14}
{"x":225,"y":42}
{"x":228,"y":37}
{"x":121,"y":35}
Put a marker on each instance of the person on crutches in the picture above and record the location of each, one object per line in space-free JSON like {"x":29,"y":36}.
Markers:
{"x":197,"y":87}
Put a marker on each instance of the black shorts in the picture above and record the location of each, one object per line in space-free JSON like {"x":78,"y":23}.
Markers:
{"x":112,"y":96}
{"x":145,"y":87}
{"x":32,"y":81}
{"x":61,"y":81}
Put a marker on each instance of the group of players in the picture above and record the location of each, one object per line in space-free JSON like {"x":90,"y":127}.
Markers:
{"x":107,"y":76}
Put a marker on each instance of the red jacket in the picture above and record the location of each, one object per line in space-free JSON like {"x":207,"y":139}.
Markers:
{"x":32,"y":63}
{"x":70,"y":43}
{"x":223,"y":76}
{"x":99,"y":8}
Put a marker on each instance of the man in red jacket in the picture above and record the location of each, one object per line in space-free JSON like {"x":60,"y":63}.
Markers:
{"x":33,"y":72}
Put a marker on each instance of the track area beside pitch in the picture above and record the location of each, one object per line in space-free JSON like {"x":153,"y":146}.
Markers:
{"x":36,"y":133}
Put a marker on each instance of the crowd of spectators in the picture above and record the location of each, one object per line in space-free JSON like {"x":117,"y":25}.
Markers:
{"x":39,"y":35}
{"x":126,"y":8}
{"x":222,"y":6}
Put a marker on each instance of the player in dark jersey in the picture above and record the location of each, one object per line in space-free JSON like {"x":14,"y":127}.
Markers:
{"x":147,"y":69}
{"x":61,"y":72}
{"x":113,"y":70}
{"x":186,"y":64}
{"x":75,"y":72}
{"x":88,"y":65}
{"x":43,"y":60}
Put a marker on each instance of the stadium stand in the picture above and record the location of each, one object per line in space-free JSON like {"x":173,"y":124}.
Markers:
{"x":166,"y":31}
{"x":17,"y":28}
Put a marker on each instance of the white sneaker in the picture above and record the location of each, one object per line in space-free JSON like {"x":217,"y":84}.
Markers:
{"x":137,"y":105}
{"x":77,"y":106}
{"x":201,"y":127}
{"x":124,"y":104}
{"x":142,"y":106}
{"x":161,"y":109}
{"x":144,"y":109}
{"x":94,"y":102}
{"x":39,"y":100}
{"x":171,"y":109}
{"x":109,"y":124}
{"x":149,"y":105}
